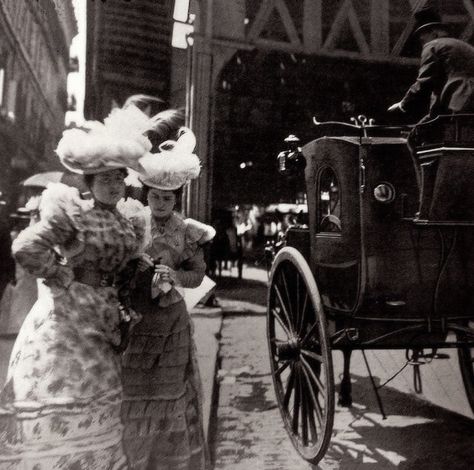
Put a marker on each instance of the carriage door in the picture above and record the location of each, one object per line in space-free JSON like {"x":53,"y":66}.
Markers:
{"x":335,"y":229}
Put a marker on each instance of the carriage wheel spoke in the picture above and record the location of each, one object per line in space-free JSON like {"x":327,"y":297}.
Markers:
{"x":304,"y":415}
{"x":287,"y":292}
{"x":316,"y":406}
{"x":312,"y":423}
{"x":310,"y":332}
{"x":312,"y":355}
{"x":285,"y":311}
{"x":297,"y":402}
{"x":298,"y":313}
{"x":282,"y":368}
{"x":303,"y":313}
{"x":281,"y":322}
{"x":314,"y":377}
{"x":289,"y":388}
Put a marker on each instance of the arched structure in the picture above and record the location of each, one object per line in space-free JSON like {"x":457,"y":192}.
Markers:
{"x":349,"y":39}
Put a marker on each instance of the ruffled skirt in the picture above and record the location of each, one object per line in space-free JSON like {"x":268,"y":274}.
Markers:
{"x":162,"y":411}
{"x":60,"y":407}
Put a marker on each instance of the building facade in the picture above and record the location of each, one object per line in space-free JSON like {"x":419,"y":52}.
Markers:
{"x":34,"y":61}
{"x":261,"y":69}
{"x":254,"y":72}
{"x":128,"y":52}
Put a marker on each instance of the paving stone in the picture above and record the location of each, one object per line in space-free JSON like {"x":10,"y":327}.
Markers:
{"x":249,"y":432}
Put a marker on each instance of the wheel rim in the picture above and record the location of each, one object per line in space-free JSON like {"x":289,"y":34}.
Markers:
{"x":300,"y":356}
{"x":466,"y":364}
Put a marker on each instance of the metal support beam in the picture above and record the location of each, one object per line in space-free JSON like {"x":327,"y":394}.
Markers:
{"x":312,"y":26}
{"x":380,"y":26}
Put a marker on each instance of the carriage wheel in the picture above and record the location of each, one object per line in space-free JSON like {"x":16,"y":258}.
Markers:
{"x":466,"y":364}
{"x":300,"y":356}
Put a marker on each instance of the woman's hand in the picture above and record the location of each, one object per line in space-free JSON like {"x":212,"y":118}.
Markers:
{"x":145,"y":261}
{"x":165,"y":273}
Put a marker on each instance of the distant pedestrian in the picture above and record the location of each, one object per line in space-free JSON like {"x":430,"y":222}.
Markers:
{"x":446,"y":73}
{"x":21,"y":292}
{"x":162,"y":410}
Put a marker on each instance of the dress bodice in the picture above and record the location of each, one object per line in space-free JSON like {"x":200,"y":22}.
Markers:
{"x":176,"y":240}
{"x":87,"y":235}
{"x":177,"y":243}
{"x":104,"y":240}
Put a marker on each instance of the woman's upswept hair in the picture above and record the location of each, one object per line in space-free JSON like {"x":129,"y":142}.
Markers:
{"x":146,"y":103}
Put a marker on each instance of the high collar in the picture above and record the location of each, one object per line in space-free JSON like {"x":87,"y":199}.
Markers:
{"x":108,"y":207}
{"x":168,"y":226}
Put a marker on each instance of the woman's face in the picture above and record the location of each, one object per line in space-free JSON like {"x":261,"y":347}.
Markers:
{"x":161,"y":202}
{"x":108,"y":187}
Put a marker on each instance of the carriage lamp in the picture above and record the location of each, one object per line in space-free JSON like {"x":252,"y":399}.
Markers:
{"x":291,"y":161}
{"x":384,"y":192}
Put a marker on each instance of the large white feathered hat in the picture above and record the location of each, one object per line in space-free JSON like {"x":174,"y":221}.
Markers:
{"x":117,"y":143}
{"x":174,"y":165}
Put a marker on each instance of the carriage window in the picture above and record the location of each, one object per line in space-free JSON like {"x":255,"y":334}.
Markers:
{"x":329,"y":202}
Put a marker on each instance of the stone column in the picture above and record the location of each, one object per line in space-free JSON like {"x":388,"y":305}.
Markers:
{"x":207,"y":57}
{"x":198,"y":101}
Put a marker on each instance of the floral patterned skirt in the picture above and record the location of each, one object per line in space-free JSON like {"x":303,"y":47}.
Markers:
{"x":60,"y":407}
{"x":162,"y":411}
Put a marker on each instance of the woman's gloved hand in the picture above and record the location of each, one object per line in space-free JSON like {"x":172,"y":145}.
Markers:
{"x":165,"y":273}
{"x":163,"y":280}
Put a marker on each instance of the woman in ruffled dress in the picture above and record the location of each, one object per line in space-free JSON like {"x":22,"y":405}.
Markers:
{"x":60,"y":408}
{"x":162,"y":390}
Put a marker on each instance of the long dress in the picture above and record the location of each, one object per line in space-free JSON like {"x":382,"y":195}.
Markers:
{"x":162,"y":411}
{"x":60,"y":407}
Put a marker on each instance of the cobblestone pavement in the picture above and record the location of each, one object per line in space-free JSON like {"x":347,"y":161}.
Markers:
{"x":249,"y":435}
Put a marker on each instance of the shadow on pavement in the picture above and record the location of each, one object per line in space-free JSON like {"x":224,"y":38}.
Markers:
{"x":246,"y":290}
{"x":415,"y":435}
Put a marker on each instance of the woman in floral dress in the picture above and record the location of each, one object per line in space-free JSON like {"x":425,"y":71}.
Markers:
{"x":60,"y":408}
{"x":162,"y":390}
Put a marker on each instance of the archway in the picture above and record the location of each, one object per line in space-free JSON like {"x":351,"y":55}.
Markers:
{"x":262,"y":96}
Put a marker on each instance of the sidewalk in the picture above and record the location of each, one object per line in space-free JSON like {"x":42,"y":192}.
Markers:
{"x":243,"y":296}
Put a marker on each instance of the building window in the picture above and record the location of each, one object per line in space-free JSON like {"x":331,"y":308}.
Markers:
{"x":329,"y":202}
{"x":182,"y":26}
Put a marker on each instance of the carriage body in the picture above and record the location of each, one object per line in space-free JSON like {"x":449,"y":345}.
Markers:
{"x":377,"y":270}
{"x":387,"y":262}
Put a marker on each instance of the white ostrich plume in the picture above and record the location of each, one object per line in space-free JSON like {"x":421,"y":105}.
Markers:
{"x":117,"y":143}
{"x":174,"y":165}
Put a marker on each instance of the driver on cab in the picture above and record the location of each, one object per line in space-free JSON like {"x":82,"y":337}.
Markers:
{"x":446,"y":73}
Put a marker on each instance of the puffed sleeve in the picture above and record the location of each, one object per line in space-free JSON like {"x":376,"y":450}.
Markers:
{"x":36,"y":247}
{"x":139,"y":216}
{"x":193,"y":266}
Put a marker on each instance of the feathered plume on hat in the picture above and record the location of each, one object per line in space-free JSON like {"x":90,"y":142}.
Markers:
{"x":117,"y":143}
{"x":165,"y":126}
{"x":174,"y":165}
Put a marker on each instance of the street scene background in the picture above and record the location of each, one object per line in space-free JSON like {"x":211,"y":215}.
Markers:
{"x":247,"y":74}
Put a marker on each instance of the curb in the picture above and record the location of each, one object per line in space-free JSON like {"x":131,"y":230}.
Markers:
{"x":207,"y":330}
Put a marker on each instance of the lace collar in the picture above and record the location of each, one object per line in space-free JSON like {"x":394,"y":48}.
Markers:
{"x":173,"y":223}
